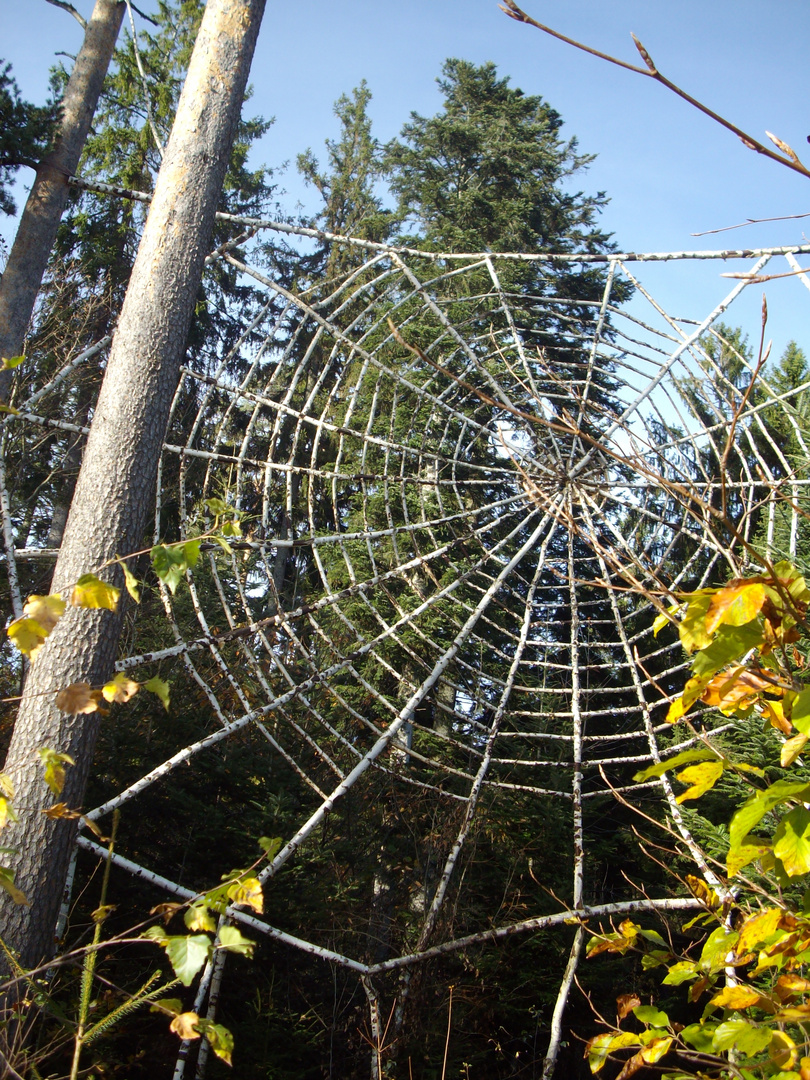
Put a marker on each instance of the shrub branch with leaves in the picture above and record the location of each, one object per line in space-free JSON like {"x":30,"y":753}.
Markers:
{"x":744,"y":639}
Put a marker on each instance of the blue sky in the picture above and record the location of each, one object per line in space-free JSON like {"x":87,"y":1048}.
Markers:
{"x":668,"y":170}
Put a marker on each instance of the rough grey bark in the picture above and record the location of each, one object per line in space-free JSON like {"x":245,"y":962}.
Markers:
{"x":46,"y":203}
{"x":115,"y":488}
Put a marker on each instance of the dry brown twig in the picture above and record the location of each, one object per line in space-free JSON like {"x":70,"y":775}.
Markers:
{"x":788,"y":156}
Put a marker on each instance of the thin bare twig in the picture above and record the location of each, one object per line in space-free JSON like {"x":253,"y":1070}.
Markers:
{"x":751,"y":221}
{"x":788,"y":157}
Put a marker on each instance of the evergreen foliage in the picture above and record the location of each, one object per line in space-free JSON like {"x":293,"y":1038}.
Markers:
{"x":25,"y":133}
{"x":490,"y":172}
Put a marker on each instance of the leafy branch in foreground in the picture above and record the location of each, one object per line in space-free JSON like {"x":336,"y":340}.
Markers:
{"x":744,"y":642}
{"x":209,"y":931}
{"x":170,"y":563}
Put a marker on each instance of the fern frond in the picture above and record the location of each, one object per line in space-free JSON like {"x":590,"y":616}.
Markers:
{"x":139,"y":998}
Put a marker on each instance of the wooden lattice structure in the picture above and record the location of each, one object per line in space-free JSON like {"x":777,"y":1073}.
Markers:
{"x":461,"y":501}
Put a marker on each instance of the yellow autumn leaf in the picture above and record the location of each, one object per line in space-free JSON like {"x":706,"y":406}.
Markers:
{"x":700,"y":778}
{"x":774,"y":713}
{"x":120,"y":689}
{"x":735,"y":690}
{"x":655,"y":1050}
{"x":701,"y":891}
{"x":665,"y":618}
{"x":625,"y":1004}
{"x":675,"y":711}
{"x":782,"y":1050}
{"x":738,"y":603}
{"x":46,"y":610}
{"x":659,"y":622}
{"x":743,"y":854}
{"x":6,"y":811}
{"x":692,"y":692}
{"x":736,"y":997}
{"x":249,"y":893}
{"x":27,"y":635}
{"x":792,"y":748}
{"x":791,"y":985}
{"x":757,"y":930}
{"x":61,"y":810}
{"x":692,"y":627}
{"x":184,"y":1025}
{"x":91,"y":592}
{"x":78,"y":698}
{"x":54,"y":764}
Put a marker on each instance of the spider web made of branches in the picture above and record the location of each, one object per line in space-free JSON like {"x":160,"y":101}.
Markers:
{"x":463,"y":496}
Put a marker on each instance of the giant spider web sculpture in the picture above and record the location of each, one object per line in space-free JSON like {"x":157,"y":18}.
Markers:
{"x":462,"y":501}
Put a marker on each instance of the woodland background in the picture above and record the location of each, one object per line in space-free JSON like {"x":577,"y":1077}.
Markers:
{"x":490,"y":171}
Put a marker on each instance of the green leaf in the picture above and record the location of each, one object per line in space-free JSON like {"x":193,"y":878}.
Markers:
{"x":170,"y":1005}
{"x":170,"y":564}
{"x":655,"y":958}
{"x":270,"y":845}
{"x":187,"y":955}
{"x":792,"y":580}
{"x":230,"y":938}
{"x":752,"y":812}
{"x":217,"y":507}
{"x":730,"y":643}
{"x":800,"y":712}
{"x":651,"y":1016}
{"x":191,"y":552}
{"x":10,"y":362}
{"x":159,"y":687}
{"x":226,"y":547}
{"x":220,"y":1038}
{"x":674,"y":762}
{"x":700,"y":1037}
{"x":681,"y":972}
{"x":132,"y":583}
{"x":717,"y":947}
{"x":742,"y":1035}
{"x":792,"y":842}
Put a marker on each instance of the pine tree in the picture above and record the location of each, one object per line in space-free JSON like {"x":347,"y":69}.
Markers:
{"x":25,"y":133}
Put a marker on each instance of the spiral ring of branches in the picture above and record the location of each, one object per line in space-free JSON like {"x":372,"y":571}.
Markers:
{"x":464,"y":496}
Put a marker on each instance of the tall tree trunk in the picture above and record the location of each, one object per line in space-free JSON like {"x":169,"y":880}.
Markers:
{"x":36,"y":233}
{"x":116,"y":484}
